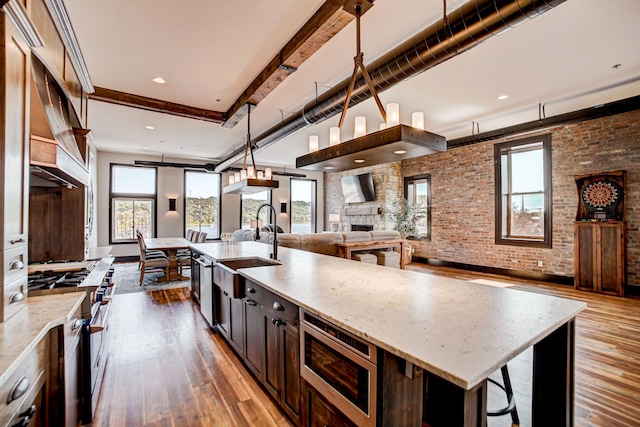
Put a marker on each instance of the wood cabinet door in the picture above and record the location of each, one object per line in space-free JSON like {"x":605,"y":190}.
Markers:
{"x":254,"y":348}
{"x":236,"y":325}
{"x":14,"y":135}
{"x":224,"y":319}
{"x":320,"y":413}
{"x":291,"y":398}
{"x":585,"y":257}
{"x":611,"y":259}
{"x":272,"y":372}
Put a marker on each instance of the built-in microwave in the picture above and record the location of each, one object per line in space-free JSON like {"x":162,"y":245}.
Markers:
{"x":341,"y":367}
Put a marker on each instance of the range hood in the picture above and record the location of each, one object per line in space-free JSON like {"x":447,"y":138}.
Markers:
{"x":55,"y":158}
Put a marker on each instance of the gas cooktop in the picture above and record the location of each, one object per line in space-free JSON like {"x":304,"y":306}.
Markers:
{"x":58,"y":275}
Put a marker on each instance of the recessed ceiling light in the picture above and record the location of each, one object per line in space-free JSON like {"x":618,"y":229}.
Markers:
{"x":161,"y":142}
{"x":158,"y":80}
{"x":358,"y":161}
{"x":501,"y":97}
{"x":146,"y":148}
{"x":149,"y":127}
{"x":615,"y":67}
{"x":328,"y":167}
{"x":400,"y":152}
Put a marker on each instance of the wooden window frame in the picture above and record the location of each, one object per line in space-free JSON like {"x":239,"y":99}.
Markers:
{"x":184,"y":204}
{"x":314,"y":203}
{"x":421,"y":177}
{"x":118,"y":196}
{"x":500,"y":239}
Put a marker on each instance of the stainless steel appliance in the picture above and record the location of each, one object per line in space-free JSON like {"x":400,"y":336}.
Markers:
{"x":341,"y":367}
{"x":205,"y":267}
{"x":95,"y":279}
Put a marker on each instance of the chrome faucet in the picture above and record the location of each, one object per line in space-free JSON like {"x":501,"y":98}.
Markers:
{"x":274,"y":255}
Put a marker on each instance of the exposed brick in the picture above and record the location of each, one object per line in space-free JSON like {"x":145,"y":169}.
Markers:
{"x":463,"y":196}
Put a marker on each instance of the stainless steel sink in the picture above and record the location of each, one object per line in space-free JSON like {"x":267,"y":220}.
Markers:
{"x":236,"y":264}
{"x":229,"y":280}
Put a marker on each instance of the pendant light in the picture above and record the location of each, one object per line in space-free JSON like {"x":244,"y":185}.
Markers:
{"x":250,"y":180}
{"x":392,"y":143}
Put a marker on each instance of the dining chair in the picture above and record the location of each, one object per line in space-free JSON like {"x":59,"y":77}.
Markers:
{"x":194,"y":236}
{"x":149,"y":253}
{"x":151,"y":264}
{"x":202,"y":238}
{"x":190,"y":234}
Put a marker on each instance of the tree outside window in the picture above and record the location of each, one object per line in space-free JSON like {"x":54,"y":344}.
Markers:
{"x":249,"y":204}
{"x":202,"y":203}
{"x":303,"y":206}
{"x":133,"y":201}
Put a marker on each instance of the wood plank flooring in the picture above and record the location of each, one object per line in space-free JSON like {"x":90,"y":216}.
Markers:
{"x":166,"y":367}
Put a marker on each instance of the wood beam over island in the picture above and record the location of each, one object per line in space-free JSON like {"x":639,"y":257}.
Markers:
{"x":457,"y":332}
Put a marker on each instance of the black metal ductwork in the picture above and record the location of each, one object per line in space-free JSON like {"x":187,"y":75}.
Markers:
{"x":472,"y":23}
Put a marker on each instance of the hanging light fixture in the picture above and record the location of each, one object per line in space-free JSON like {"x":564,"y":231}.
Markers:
{"x":393,"y":142}
{"x":250,"y":180}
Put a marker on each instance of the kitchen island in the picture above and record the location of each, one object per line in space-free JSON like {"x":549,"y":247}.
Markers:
{"x":458,"y":332}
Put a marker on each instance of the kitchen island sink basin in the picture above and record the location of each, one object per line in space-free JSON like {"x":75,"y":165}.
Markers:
{"x":229,"y":280}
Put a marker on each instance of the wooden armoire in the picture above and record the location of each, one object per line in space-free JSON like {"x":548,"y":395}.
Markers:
{"x":600,"y":234}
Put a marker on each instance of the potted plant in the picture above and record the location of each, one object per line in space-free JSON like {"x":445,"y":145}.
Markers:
{"x":405,"y":217}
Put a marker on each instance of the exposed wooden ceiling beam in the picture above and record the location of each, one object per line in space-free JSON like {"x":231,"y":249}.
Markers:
{"x":328,"y":20}
{"x":156,"y":105}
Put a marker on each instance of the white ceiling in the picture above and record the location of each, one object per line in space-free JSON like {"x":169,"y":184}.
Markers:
{"x":209,"y":51}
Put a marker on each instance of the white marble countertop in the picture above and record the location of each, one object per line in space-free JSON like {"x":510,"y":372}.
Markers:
{"x":458,"y":330}
{"x":24,"y":330}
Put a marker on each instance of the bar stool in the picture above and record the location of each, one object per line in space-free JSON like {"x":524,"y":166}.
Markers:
{"x":511,"y":406}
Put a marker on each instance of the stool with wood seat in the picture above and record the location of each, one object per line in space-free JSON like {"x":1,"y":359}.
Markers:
{"x":511,"y":401}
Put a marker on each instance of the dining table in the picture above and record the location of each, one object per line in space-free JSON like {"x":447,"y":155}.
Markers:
{"x":170,"y":245}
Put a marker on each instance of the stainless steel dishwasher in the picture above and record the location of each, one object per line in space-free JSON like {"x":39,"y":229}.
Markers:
{"x":206,"y":265}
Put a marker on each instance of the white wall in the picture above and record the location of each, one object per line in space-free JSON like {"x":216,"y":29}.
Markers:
{"x":171,"y":185}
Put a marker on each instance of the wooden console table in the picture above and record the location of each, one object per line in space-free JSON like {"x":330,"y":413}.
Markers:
{"x":345,"y":249}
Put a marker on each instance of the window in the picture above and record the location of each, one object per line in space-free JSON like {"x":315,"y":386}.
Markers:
{"x":417,"y":191}
{"x":523,"y":192}
{"x":303,"y":206}
{"x":202,"y":202}
{"x":133,"y":202}
{"x":249,"y":204}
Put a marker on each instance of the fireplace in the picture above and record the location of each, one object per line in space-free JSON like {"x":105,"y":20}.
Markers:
{"x":361,"y":227}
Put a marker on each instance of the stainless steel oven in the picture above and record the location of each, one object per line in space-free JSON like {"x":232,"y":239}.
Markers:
{"x":340,"y":366}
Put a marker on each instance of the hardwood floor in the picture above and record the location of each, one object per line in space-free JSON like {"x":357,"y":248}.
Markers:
{"x":166,"y":367}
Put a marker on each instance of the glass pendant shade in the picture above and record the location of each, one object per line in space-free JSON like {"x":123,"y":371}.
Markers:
{"x":313,"y":143}
{"x":417,"y":120}
{"x":361,"y":126}
{"x":334,"y":136}
{"x":267,"y":173}
{"x":393,"y":114}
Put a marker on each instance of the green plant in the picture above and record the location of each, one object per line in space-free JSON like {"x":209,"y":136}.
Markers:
{"x":405,"y":217}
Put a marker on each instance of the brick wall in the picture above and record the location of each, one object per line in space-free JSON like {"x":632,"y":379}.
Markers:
{"x":463,"y":196}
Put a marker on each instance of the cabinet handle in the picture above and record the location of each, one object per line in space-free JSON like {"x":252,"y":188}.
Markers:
{"x":225,"y":293}
{"x":277,"y":306}
{"x":76,"y":324}
{"x":17,"y":297}
{"x":250,"y":290}
{"x":29,"y":413}
{"x":13,"y":242}
{"x":19,"y":388}
{"x":277,"y":322}
{"x":251,"y":302}
{"x":16,"y":265}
